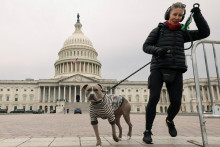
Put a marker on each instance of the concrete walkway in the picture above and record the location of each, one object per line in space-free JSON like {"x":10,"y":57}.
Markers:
{"x":41,"y":130}
{"x":136,"y":141}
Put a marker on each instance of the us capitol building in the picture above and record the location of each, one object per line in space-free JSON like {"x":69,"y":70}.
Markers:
{"x":78,"y":65}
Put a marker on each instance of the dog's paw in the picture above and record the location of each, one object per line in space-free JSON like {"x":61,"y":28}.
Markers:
{"x":116,"y":139}
{"x":128,"y":137}
{"x":99,"y":143}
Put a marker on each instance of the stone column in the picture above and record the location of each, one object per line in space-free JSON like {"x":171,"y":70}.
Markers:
{"x":75,"y":67}
{"x":63,"y":69}
{"x":85,"y":96}
{"x":87,"y":67}
{"x":44,"y":95}
{"x":97,"y":69}
{"x":93,"y":68}
{"x":74,"y":93}
{"x":218,"y":94}
{"x":69,"y":93}
{"x":80,"y":67}
{"x":59,"y":68}
{"x":208,"y":92}
{"x":203,"y":94}
{"x":67,"y":64}
{"x":80,"y":94}
{"x":39,"y":92}
{"x":163,"y":95}
{"x":54,"y":94}
{"x":59,"y":93}
{"x":213,"y":93}
{"x":194,"y":91}
{"x":167,"y":95}
{"x":49,"y":95}
{"x":84,"y":67}
{"x":71,"y":64}
{"x":64,"y":93}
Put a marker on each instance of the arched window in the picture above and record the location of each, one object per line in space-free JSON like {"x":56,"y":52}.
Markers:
{"x":145,"y":98}
{"x":165,"y":108}
{"x":31,"y":98}
{"x":16,"y":97}
{"x":138,"y":108}
{"x":24,"y":97}
{"x":161,"y":109}
{"x":129,"y":98}
{"x":137,"y":98}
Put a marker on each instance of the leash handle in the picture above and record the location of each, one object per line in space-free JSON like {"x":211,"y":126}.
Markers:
{"x":196,"y":5}
{"x":188,"y":22}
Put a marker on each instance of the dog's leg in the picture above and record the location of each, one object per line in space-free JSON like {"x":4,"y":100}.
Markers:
{"x":116,"y":139}
{"x":96,"y":130}
{"x":117,"y":118}
{"x":126,"y":115}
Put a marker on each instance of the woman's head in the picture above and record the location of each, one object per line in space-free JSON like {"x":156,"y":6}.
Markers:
{"x":175,"y":13}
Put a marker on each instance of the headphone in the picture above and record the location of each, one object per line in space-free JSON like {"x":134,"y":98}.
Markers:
{"x":167,"y":14}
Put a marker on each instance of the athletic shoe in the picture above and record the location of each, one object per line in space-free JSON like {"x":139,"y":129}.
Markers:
{"x":171,"y":128}
{"x":147,"y":137}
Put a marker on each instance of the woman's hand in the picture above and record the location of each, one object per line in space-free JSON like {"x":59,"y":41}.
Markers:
{"x":161,"y":52}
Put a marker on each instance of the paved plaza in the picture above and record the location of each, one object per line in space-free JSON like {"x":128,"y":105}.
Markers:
{"x":28,"y":130}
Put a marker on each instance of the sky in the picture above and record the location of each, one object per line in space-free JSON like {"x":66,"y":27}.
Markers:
{"x":32,"y":32}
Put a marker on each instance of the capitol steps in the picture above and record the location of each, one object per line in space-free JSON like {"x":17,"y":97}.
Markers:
{"x":72,"y":106}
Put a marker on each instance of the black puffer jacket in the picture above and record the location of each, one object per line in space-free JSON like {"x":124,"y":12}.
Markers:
{"x":162,"y":37}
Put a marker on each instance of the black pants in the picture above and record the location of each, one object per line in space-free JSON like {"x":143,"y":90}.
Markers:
{"x":174,"y":88}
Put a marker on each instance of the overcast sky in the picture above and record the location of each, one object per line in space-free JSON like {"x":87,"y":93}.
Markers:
{"x":32,"y":32}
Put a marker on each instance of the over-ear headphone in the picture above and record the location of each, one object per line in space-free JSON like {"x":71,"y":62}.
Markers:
{"x":167,"y":14}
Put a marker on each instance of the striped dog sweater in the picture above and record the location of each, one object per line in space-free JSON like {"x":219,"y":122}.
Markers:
{"x":105,"y":109}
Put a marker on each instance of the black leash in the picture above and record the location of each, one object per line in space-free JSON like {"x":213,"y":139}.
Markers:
{"x":113,"y":87}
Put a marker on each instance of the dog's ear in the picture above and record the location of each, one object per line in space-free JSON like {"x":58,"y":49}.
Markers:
{"x":84,"y":87}
{"x":102,"y":87}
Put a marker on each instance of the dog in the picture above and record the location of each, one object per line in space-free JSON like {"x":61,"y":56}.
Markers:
{"x":109,"y":107}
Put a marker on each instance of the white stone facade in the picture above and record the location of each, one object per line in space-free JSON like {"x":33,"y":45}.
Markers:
{"x":45,"y":94}
{"x":71,"y":75}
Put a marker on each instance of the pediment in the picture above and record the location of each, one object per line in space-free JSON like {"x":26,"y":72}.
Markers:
{"x":78,"y":78}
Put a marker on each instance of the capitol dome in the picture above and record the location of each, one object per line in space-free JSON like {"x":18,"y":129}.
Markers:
{"x":77,"y":56}
{"x":77,"y":38}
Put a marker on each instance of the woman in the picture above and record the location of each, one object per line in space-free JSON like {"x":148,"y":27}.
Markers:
{"x":166,"y":44}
